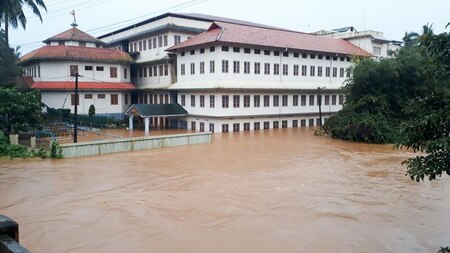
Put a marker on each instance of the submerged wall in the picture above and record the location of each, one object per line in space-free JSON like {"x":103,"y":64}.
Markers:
{"x":131,"y":144}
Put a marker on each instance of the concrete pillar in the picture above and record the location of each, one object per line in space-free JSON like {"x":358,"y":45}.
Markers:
{"x":33,"y":142}
{"x":147,"y":124}
{"x":130,"y":122}
{"x":14,"y":139}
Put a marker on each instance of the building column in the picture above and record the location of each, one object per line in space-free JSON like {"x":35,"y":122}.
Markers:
{"x":130,"y":122}
{"x":147,"y":124}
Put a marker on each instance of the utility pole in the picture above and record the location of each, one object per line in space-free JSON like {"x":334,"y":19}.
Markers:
{"x":75,"y":123}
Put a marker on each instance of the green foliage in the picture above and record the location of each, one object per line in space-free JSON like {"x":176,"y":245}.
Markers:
{"x":91,"y":110}
{"x":444,"y":250}
{"x":41,"y":152}
{"x":9,"y":71}
{"x":56,"y":150}
{"x":19,"y":111}
{"x":12,"y":151}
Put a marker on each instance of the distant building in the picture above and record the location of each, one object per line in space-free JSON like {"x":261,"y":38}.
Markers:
{"x":371,"y":41}
{"x":105,"y":78}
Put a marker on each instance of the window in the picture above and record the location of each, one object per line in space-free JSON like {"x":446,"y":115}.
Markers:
{"x":294,"y":123}
{"x":266,"y":52}
{"x":114,"y":99}
{"x":211,"y":66}
{"x":183,"y":100}
{"x":257,"y":68}
{"x":236,"y":127}
{"x":160,"y":41}
{"x":88,"y":68}
{"x":276,"y":99}
{"x":177,"y":39}
{"x":341,"y":99}
{"x":333,"y":99}
{"x":246,"y":100}
{"x":303,"y":100}
{"x":183,"y":69}
{"x":246,"y":67}
{"x":247,"y":50}
{"x":150,"y":71}
{"x":211,"y":127}
{"x":327,"y":99}
{"x":88,"y":96}
{"x":256,"y":100}
{"x":165,"y":40}
{"x":312,"y":70}
{"x":285,"y":69}
{"x":284,"y":100}
{"x":341,"y":72}
{"x":246,"y":126}
{"x":224,"y":101}
{"x":304,"y":55}
{"x":192,"y":68}
{"x":141,"y":72}
{"x":319,"y":100}
{"x":303,"y":70}
{"x":193,"y":100}
{"x":296,"y":55}
{"x":295,"y":100}
{"x":276,"y":124}
{"x":140,"y":46}
{"x":311,"y":122}
{"x":161,"y":70}
{"x":131,"y":48}
{"x":72,"y":99}
{"x":212,"y":101}
{"x":276,"y":69}
{"x":327,"y":71}
{"x":236,"y":67}
{"x":155,"y":70}
{"x":225,"y":48}
{"x":257,"y":51}
{"x":285,"y":54}
{"x":348,"y":71}
{"x":182,"y":54}
{"x":266,"y":124}
{"x":256,"y":126}
{"x":145,"y":71}
{"x":212,"y":49}
{"x":126,"y":99}
{"x":319,"y":71}
{"x":144,"y":45}
{"x":312,"y":56}
{"x":266,"y":101}
{"x":202,"y":101}
{"x":113,"y":72}
{"x":320,"y":57}
{"x":202,"y":67}
{"x":202,"y":50}
{"x":267,"y":68}
{"x":125,"y":73}
{"x":225,"y":128}
{"x":192,"y":52}
{"x":303,"y":122}
{"x":295,"y":70}
{"x":101,"y":96}
{"x":284,"y":124}
{"x":334,"y":72}
{"x":154,"y":43}
{"x":73,"y":70}
{"x":342,"y":58}
{"x":335,"y":58}
{"x":224,"y":66}
{"x":193,"y":125}
{"x":311,"y":99}
{"x":236,"y":101}
{"x":166,"y":70}
{"x":135,"y":47}
{"x":276,"y":53}
{"x":149,"y":44}
{"x":202,"y":127}
{"x":236,"y":49}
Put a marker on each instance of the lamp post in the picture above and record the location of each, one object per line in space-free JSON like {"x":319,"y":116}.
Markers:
{"x":75,"y":123}
{"x":319,"y":101}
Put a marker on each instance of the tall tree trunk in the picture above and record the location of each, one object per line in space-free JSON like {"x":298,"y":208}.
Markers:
{"x":6,"y":29}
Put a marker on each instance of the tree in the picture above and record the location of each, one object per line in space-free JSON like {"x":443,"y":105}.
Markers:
{"x":9,"y":71}
{"x":11,"y":13}
{"x":91,"y":110}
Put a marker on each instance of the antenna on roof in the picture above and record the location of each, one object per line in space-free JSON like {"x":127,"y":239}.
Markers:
{"x":74,"y":24}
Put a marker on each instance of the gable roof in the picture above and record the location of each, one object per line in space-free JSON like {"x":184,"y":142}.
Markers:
{"x":147,"y":110}
{"x":74,"y":34}
{"x":267,"y":37}
{"x":77,"y":53}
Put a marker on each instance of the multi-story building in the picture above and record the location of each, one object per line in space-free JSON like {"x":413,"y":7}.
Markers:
{"x":233,"y":75}
{"x":371,"y":41}
{"x":104,"y":79}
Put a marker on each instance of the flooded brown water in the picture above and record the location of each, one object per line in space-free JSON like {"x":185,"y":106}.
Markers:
{"x":268,"y":191}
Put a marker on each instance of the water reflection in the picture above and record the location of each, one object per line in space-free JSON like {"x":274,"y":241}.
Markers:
{"x":268,"y":191}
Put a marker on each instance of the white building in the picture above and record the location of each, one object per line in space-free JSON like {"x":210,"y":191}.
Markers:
{"x":235,"y":75}
{"x":371,"y":41}
{"x":105,"y":80}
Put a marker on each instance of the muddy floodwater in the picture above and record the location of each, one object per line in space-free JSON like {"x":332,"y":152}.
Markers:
{"x":267,"y":191}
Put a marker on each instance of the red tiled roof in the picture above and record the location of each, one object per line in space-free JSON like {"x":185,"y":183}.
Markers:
{"x":77,"y":53}
{"x":251,"y":35}
{"x":74,"y":34}
{"x":70,"y":85}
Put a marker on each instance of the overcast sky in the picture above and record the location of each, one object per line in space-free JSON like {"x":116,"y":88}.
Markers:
{"x":97,"y":17}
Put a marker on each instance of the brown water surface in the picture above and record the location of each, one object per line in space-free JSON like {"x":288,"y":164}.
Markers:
{"x":268,"y":191}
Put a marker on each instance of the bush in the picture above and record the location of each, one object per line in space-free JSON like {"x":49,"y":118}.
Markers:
{"x":91,"y":111}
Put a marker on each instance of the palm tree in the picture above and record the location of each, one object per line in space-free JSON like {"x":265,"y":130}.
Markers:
{"x":11,"y":13}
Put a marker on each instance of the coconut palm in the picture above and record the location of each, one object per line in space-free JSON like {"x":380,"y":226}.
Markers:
{"x":11,"y":13}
